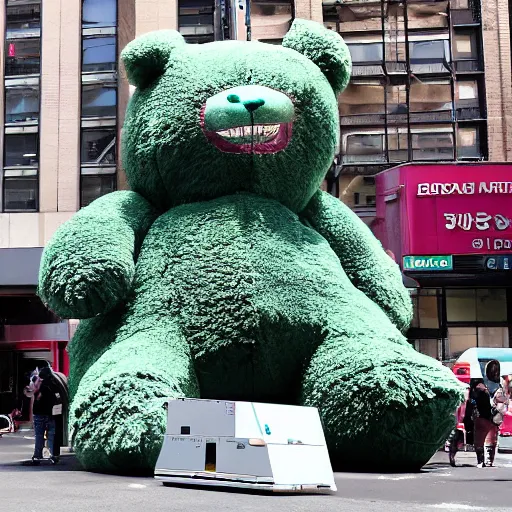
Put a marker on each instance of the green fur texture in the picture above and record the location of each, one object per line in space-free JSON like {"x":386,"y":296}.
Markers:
{"x":230,"y":275}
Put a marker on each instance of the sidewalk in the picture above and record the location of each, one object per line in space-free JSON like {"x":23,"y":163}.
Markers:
{"x":16,"y":450}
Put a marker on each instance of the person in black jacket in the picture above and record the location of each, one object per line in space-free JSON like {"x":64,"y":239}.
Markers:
{"x":485,"y":430}
{"x":42,"y":411}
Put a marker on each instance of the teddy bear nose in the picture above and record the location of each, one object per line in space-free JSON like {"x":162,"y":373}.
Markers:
{"x":250,"y":104}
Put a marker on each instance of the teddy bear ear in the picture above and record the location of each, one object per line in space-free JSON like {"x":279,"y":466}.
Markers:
{"x":324,"y":47}
{"x":146,"y":57}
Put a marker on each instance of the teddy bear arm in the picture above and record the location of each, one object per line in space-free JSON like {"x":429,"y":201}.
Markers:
{"x":369,"y":268}
{"x":88,"y":266}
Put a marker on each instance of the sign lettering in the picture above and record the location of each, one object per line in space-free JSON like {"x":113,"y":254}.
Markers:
{"x":481,"y":221}
{"x":469,"y":188}
{"x":419,"y":263}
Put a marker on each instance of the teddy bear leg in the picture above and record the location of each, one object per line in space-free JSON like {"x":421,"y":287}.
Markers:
{"x":384,"y":406}
{"x":117,"y":414}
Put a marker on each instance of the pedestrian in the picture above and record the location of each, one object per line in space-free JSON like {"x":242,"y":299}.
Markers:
{"x":484,"y":429}
{"x":42,"y":411}
{"x":463,"y":432}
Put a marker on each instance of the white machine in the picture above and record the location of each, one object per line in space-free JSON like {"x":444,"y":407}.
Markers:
{"x":246,"y":445}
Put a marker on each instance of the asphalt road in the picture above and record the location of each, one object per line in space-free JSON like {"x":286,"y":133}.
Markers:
{"x":67,"y":488}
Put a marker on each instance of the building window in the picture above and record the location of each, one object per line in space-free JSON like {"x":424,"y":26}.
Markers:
{"x":99,"y":13}
{"x":99,"y":147}
{"x":23,"y":19}
{"x":361,"y":99}
{"x":196,"y":20}
{"x":432,"y":146}
{"x":468,"y":143}
{"x":99,"y":100}
{"x":480,"y":305}
{"x":367,"y":53}
{"x":94,"y":186}
{"x":22,"y":57}
{"x":21,"y":104}
{"x":429,"y":52}
{"x":467,"y":90}
{"x":364,"y":148}
{"x":20,"y":193}
{"x":21,"y":150}
{"x":430,"y":96}
{"x":270,"y":19}
{"x":98,"y":53}
{"x":464,"y":47}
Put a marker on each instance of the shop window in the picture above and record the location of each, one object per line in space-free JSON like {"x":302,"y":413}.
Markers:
{"x":94,"y":186}
{"x":23,"y":19}
{"x":464,"y":47}
{"x":480,"y":305}
{"x":21,"y":104}
{"x":367,"y":53}
{"x":460,"y":4}
{"x":468,"y":143}
{"x":99,"y":13}
{"x":99,"y":54}
{"x":270,"y":19}
{"x":430,"y":96}
{"x":493,"y":337}
{"x":461,"y":305}
{"x":22,"y":57}
{"x":428,"y":347}
{"x":196,"y":20}
{"x":361,"y":99}
{"x":428,"y":312}
{"x":99,"y":101}
{"x":491,"y":305}
{"x":21,"y":150}
{"x":432,"y":146}
{"x":459,"y":340}
{"x":20,"y":193}
{"x":99,"y":147}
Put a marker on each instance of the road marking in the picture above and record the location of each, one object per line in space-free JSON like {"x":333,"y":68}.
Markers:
{"x":28,"y":437}
{"x":405,"y":477}
{"x":137,"y":486}
{"x":456,"y":506}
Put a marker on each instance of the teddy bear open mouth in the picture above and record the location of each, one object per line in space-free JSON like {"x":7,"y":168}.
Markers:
{"x":258,"y":138}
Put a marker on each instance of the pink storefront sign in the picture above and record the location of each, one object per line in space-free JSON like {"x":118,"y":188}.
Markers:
{"x":446,"y":209}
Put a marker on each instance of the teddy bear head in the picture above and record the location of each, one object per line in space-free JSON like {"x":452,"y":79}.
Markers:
{"x":231,"y":117}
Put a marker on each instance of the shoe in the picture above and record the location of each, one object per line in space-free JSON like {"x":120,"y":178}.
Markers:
{"x":54,"y":460}
{"x":35,"y":461}
{"x":491,"y":452}
{"x":480,"y":458}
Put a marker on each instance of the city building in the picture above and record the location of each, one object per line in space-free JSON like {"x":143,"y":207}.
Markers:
{"x":431,"y":81}
{"x":450,"y":228}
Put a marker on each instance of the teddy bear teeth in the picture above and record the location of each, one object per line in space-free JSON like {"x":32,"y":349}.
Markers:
{"x":258,"y":133}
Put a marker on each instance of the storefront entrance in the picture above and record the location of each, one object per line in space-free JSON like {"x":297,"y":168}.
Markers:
{"x":448,"y":321}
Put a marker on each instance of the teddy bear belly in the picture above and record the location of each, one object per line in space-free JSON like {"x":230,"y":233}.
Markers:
{"x":249,"y":286}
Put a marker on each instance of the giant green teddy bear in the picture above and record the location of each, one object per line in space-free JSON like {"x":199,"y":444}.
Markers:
{"x":227,"y":273}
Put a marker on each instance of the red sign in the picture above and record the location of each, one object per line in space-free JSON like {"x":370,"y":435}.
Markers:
{"x":450,"y":209}
{"x":12,"y":50}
